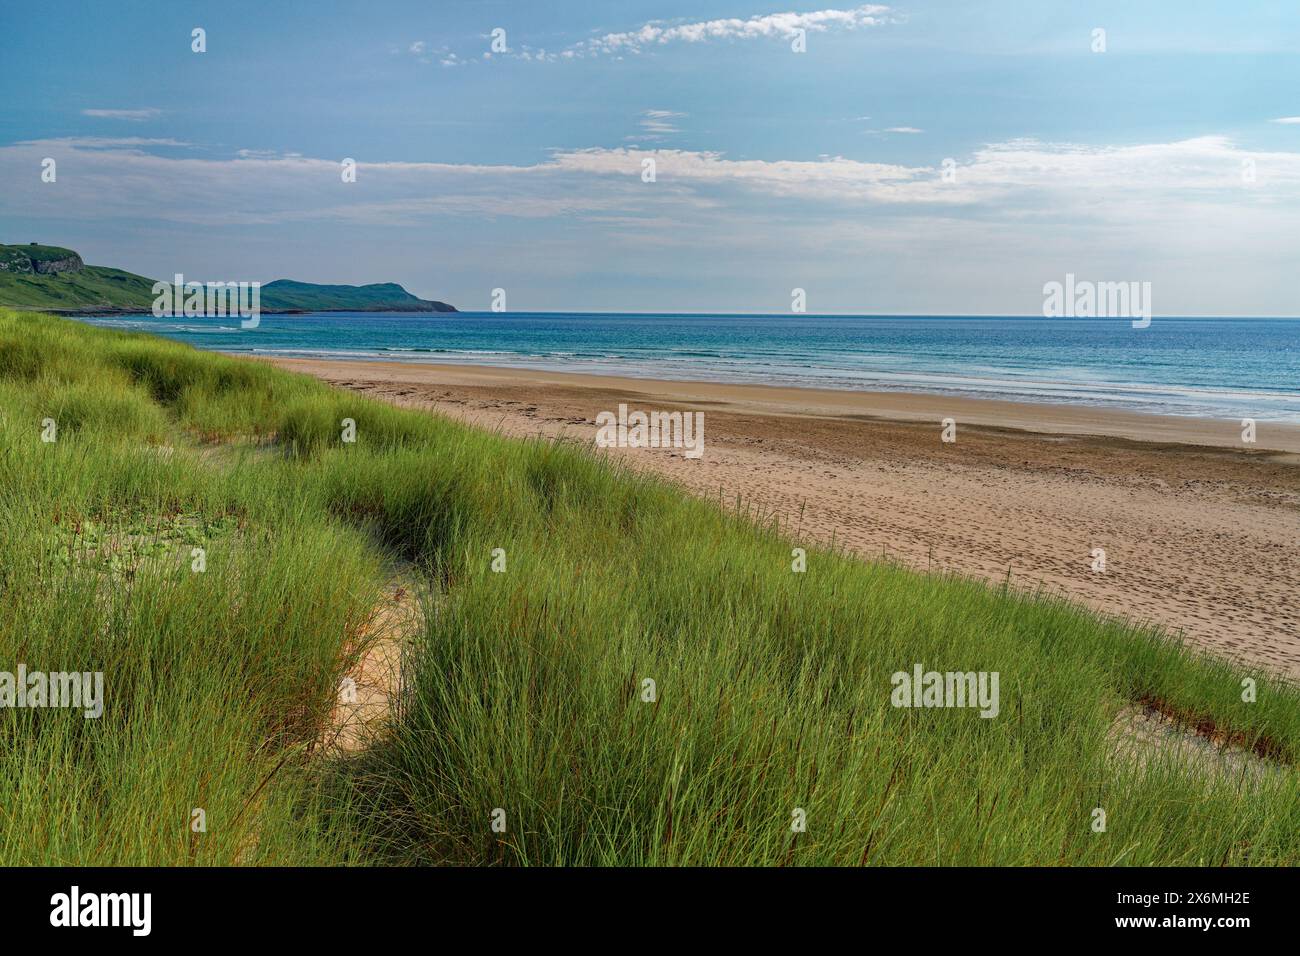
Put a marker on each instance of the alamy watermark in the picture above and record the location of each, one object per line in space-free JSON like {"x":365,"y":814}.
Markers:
{"x":130,"y":910}
{"x":923,"y":688}
{"x":638,"y":429}
{"x":80,"y":690}
{"x":208,"y":299}
{"x":1084,"y":299}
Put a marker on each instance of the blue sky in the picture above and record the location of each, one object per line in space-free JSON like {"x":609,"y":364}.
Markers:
{"x":1166,"y":158}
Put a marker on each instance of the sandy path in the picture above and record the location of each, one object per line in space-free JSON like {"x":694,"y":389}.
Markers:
{"x":1204,"y":540}
{"x":368,"y":695}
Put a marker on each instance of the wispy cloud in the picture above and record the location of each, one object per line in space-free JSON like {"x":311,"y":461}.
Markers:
{"x":832,"y":177}
{"x":772,"y":25}
{"x":655,"y":125}
{"x":1011,"y":208}
{"x":135,"y":116}
{"x":121,"y":144}
{"x":1288,"y":120}
{"x":428,"y":53}
{"x":1014,"y":179}
{"x":892,"y":130}
{"x":660,"y":118}
{"x":1006,"y":181}
{"x":661,"y":33}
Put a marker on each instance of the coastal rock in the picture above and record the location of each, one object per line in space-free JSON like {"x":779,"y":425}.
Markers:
{"x":71,"y":263}
{"x":39,"y":260}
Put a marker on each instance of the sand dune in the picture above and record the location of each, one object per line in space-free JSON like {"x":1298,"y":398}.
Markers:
{"x":1201,"y":533}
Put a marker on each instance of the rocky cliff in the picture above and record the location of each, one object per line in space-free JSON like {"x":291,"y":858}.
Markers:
{"x":36,"y":259}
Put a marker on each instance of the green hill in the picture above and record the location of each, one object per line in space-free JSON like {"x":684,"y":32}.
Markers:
{"x":51,"y":277}
{"x":379,"y":297}
{"x":54,"y":279}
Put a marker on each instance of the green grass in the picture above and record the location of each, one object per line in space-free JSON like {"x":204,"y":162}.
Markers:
{"x":525,"y":687}
{"x":88,"y":288}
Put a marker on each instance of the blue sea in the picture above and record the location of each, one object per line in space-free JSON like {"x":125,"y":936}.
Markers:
{"x":1215,"y":368}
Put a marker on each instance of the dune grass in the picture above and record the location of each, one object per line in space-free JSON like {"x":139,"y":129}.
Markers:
{"x":526,"y":702}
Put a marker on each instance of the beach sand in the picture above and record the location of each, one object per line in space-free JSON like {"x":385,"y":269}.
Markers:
{"x":1201,"y":532}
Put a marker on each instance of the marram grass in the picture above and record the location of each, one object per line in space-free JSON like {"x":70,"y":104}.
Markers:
{"x":526,"y":698}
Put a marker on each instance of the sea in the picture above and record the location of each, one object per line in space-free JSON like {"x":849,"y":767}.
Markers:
{"x":1202,"y":367}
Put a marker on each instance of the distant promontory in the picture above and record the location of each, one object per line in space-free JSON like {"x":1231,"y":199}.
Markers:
{"x":54,"y":279}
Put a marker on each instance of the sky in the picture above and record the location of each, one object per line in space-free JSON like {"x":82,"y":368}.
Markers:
{"x":912,"y":157}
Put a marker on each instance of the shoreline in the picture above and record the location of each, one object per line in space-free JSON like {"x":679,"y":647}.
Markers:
{"x":1207,"y":380}
{"x":1042,"y":418}
{"x":1201,"y":535}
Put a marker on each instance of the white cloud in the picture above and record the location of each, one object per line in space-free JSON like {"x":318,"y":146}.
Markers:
{"x":116,"y":143}
{"x":1155,"y":202}
{"x":428,"y":53}
{"x":904,"y":129}
{"x":1289,"y":120}
{"x":1197,"y":166}
{"x":132,"y":115}
{"x":832,"y":178}
{"x":656,"y":124}
{"x":773,"y":25}
{"x":1016,"y":179}
{"x":661,"y":33}
{"x":1016,"y":208}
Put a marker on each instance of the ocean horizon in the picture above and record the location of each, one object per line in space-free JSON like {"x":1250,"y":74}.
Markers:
{"x":1199,"y":367}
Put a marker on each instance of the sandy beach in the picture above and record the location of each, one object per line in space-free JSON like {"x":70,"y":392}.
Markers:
{"x":1201,"y":532}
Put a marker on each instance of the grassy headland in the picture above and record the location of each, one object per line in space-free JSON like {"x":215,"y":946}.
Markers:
{"x":525,"y":691}
{"x":51,"y":277}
